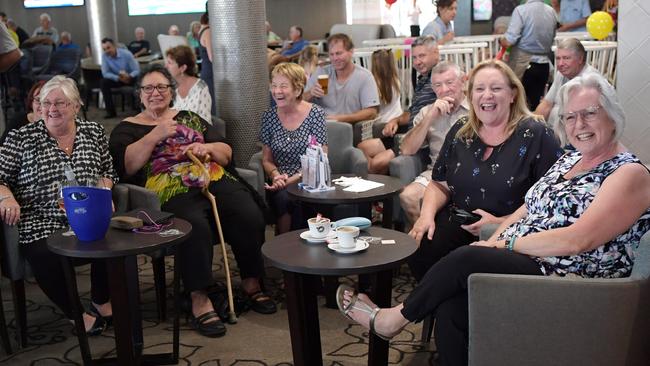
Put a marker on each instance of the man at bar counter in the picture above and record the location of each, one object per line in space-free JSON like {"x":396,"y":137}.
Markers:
{"x":351,"y":92}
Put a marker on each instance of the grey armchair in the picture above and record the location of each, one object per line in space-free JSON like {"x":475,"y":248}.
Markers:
{"x":533,"y":320}
{"x":16,"y":269}
{"x":406,"y":168}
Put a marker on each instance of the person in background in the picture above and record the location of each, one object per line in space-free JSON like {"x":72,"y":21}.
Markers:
{"x":285,"y":134}
{"x":45,"y":29}
{"x":193,"y":36}
{"x":501,"y":25}
{"x":530,"y":37}
{"x":413,"y":13}
{"x":10,"y":54}
{"x":140,"y":46}
{"x":573,"y":15}
{"x":352,"y":93}
{"x":192,"y":93}
{"x":66,"y":41}
{"x":32,"y":114}
{"x":12,"y":33}
{"x":174,"y":30}
{"x":384,"y":71}
{"x":296,"y":43}
{"x":430,"y":126}
{"x":205,"y":52}
{"x":272,"y":39}
{"x":22,"y":34}
{"x":442,"y":28}
{"x":487,"y":162}
{"x":308,"y":59}
{"x":39,"y":152}
{"x":119,"y":68}
{"x":574,"y":222}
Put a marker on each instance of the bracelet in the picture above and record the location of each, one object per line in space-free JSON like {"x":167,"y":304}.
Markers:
{"x":510,"y":244}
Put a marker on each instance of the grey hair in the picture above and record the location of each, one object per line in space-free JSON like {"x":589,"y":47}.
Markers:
{"x":11,"y":22}
{"x":608,"y":99}
{"x":137,"y":29}
{"x":574,"y":45}
{"x":45,"y":16}
{"x":429,"y":41}
{"x":66,"y":34}
{"x":444,"y":66}
{"x":67,"y":85}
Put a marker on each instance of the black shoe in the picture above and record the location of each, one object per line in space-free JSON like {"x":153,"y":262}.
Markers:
{"x":208,"y":329}
{"x":262,"y":303}
{"x":98,"y":326}
{"x":110,"y":115}
{"x":93,"y":311}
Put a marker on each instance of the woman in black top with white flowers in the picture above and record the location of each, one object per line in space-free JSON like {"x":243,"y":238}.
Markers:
{"x":485,"y":166}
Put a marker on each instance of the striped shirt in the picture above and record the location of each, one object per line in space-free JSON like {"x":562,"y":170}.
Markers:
{"x":423,"y":95}
{"x":32,"y":164}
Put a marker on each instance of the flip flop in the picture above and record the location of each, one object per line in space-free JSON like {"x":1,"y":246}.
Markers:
{"x":360,"y":305}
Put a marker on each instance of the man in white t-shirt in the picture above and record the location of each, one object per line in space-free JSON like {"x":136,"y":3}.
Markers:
{"x":351,"y":93}
{"x":430,"y":127}
{"x":9,"y":55}
{"x":570,"y":61}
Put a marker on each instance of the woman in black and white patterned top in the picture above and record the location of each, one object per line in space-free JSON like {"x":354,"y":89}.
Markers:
{"x":32,"y":161}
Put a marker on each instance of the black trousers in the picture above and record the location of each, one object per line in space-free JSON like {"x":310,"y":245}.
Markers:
{"x":48,"y":271}
{"x":534,"y":81}
{"x":106,"y":85}
{"x":447,"y":236}
{"x":243,"y":226}
{"x":443,"y":293}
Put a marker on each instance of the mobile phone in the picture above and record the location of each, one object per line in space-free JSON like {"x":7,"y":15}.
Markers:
{"x":463,"y":217}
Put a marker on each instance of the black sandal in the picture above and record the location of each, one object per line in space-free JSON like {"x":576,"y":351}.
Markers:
{"x":262,"y":303}
{"x":93,"y":311}
{"x":208,"y":329}
{"x":99,"y":325}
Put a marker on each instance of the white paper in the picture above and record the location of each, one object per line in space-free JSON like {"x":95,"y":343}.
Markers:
{"x":362,"y":185}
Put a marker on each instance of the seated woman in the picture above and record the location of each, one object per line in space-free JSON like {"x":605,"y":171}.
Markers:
{"x":384,"y":71}
{"x":32,"y":114}
{"x":558,"y":231}
{"x":286,"y":131}
{"x":486,"y":164}
{"x":192,"y":93}
{"x":149,"y":150}
{"x":32,"y":161}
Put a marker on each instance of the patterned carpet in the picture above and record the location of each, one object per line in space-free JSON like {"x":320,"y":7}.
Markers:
{"x":255,"y":340}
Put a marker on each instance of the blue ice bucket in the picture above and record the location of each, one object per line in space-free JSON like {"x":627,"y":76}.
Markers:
{"x":89,"y":211}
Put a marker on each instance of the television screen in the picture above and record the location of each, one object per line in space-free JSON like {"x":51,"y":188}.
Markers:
{"x":149,"y":7}
{"x":29,"y":4}
{"x":481,"y":10}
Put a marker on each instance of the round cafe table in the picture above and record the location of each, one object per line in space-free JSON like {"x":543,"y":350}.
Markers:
{"x":119,"y":248}
{"x":303,"y":263}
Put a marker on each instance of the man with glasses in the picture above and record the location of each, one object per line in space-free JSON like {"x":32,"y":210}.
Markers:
{"x":119,"y":68}
{"x":430,"y":126}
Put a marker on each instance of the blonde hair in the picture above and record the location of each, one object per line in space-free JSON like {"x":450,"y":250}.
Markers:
{"x":68,"y":87}
{"x":518,"y":109}
{"x":294,"y":72}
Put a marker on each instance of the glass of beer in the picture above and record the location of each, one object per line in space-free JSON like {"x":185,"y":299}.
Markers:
{"x":323,"y":81}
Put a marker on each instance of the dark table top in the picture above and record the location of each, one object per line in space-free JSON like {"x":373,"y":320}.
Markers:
{"x":291,"y":253}
{"x":116,"y":243}
{"x":391,"y":186}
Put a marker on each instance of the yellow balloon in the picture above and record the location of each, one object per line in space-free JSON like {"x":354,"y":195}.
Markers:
{"x":599,"y":24}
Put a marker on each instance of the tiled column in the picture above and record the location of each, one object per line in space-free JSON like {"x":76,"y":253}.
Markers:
{"x":633,"y":74}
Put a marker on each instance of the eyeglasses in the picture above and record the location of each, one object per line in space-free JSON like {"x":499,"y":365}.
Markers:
{"x":148,"y":89}
{"x":59,"y":105}
{"x":588,"y":115}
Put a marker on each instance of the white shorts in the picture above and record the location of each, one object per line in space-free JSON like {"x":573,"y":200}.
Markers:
{"x":424,"y":178}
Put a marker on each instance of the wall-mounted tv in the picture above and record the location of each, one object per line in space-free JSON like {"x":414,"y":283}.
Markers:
{"x":481,"y":10}
{"x":30,"y":4}
{"x":157,"y":7}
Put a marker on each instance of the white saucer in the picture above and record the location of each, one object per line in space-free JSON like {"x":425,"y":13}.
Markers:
{"x":305,"y":235}
{"x":361,"y":245}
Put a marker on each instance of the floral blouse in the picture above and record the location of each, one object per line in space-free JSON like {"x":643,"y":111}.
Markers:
{"x":499,"y":183}
{"x":556,"y":202}
{"x":168,"y":172}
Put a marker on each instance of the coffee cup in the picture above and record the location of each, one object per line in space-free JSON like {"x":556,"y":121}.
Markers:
{"x":347,"y":236}
{"x":323,"y":81}
{"x":319,"y":228}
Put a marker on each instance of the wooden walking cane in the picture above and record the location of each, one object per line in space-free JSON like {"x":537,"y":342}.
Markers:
{"x":232,"y":317}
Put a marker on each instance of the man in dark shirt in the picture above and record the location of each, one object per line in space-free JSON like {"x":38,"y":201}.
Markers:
{"x":140,"y":46}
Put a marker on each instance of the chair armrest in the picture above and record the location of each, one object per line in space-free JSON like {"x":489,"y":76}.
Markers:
{"x":121,"y":198}
{"x":536,"y":320}
{"x":255,"y":164}
{"x":13,"y":263}
{"x":406,"y":167}
{"x":250,"y":176}
{"x":355,"y":162}
{"x":140,"y":197}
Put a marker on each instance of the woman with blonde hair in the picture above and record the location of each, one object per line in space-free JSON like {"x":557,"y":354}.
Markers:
{"x":488,"y":161}
{"x":384,"y":71}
